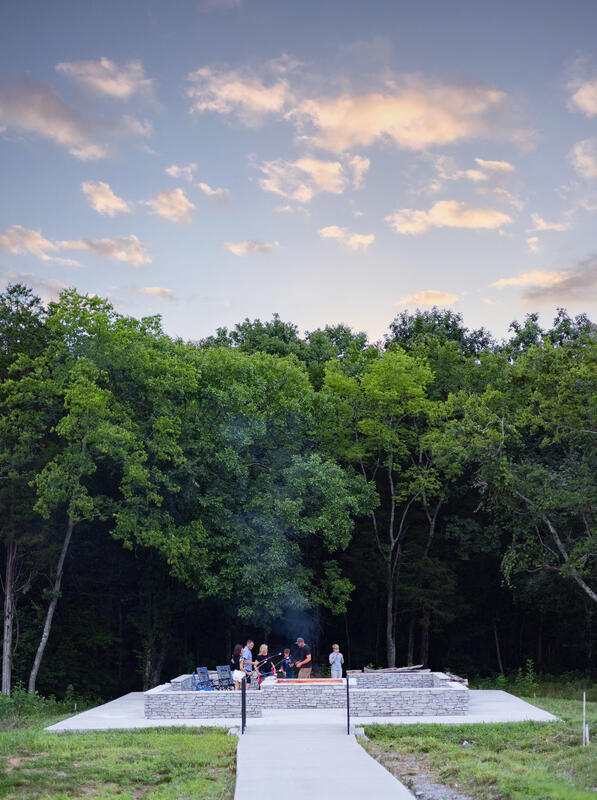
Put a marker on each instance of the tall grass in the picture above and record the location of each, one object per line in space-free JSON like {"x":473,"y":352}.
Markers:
{"x":526,"y":682}
{"x":23,"y":707}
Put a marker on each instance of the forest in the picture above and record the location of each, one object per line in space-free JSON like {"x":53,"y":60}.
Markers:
{"x":428,"y":499}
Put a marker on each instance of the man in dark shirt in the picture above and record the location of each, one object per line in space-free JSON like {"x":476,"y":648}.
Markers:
{"x":303,"y":660}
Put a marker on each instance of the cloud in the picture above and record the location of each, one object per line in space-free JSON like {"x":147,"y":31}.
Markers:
{"x":584,"y":158}
{"x":157,"y":291}
{"x":502,"y":195}
{"x":585,"y":98}
{"x":476,"y":175}
{"x":411,"y":112}
{"x":238,"y":92}
{"x":500,"y":167}
{"x":103,"y":200}
{"x":577,"y":284}
{"x":446,"y":213}
{"x":250,"y":246}
{"x":186,"y":173}
{"x":36,"y":108}
{"x":22,"y":241}
{"x":221,"y":195}
{"x":359,"y":166}
{"x":355,"y":241}
{"x":533,"y":244}
{"x":583,"y":85}
{"x":19,"y":241}
{"x":302,"y":179}
{"x":49,"y":288}
{"x":124,"y":248}
{"x":298,"y":211}
{"x":540,"y":224}
{"x":414,"y":114}
{"x":173,"y":205}
{"x":431,"y":297}
{"x":536,"y":278}
{"x":135,"y":127}
{"x":447,"y":169}
{"x":105,"y":77}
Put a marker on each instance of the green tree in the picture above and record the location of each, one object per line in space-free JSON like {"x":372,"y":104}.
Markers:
{"x":373,"y":421}
{"x":21,"y":452}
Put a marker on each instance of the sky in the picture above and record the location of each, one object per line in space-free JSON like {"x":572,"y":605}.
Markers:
{"x":330,"y":161}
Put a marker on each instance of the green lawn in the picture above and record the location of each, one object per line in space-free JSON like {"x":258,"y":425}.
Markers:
{"x":510,"y":761}
{"x":154,"y":764}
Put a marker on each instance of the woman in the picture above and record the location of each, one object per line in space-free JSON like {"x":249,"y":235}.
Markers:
{"x":265,"y":668}
{"x":236,"y":664}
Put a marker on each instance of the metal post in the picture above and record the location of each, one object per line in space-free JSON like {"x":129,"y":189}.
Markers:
{"x":243,"y":705}
{"x":584,"y":719}
{"x":348,"y":705}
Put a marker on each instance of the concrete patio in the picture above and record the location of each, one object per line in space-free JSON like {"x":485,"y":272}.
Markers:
{"x":127,"y":712}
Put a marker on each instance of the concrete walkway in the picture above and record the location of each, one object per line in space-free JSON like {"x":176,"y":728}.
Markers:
{"x":299,"y":752}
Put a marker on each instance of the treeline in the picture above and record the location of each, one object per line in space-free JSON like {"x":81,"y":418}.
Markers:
{"x":429,"y":499}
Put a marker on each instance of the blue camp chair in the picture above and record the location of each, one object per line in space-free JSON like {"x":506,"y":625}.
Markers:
{"x":225,"y":680}
{"x":203,"y":683}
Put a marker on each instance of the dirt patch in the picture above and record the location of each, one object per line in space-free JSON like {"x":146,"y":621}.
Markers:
{"x":416,"y":775}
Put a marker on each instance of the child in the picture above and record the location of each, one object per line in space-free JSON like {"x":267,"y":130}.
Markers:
{"x":336,"y":661}
{"x":287,"y":667}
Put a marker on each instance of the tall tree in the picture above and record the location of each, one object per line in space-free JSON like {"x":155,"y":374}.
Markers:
{"x":21,"y":451}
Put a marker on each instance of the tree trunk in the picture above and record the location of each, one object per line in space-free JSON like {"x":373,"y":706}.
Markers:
{"x":51,"y":608}
{"x":390,"y":639}
{"x":410,"y":656}
{"x":148,"y":668}
{"x":497,"y":647}
{"x":425,"y":626}
{"x":159,"y":665}
{"x":9,"y":616}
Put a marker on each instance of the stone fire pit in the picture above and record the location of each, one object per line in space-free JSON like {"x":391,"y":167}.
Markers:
{"x":379,"y":694}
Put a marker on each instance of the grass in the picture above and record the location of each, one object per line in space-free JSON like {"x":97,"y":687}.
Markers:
{"x":509,"y":761}
{"x":153,"y":764}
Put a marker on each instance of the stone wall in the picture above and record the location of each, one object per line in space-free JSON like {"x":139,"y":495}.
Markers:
{"x":409,"y":702}
{"x":400,"y":680}
{"x":393,"y":680}
{"x":165,"y":703}
{"x":378,"y":698}
{"x":301,"y":695}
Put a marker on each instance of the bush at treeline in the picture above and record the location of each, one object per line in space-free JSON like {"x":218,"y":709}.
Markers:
{"x":428,"y":499}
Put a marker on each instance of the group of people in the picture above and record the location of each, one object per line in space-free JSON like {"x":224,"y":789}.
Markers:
{"x":247,"y":668}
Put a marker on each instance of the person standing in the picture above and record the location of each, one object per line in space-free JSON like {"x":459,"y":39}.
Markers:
{"x":287,"y":666}
{"x":336,"y":661}
{"x":303,"y":661}
{"x":248,"y":661}
{"x":264,"y":664}
{"x":236,"y":664}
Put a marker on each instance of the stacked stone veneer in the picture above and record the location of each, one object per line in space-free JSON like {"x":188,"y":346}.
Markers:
{"x":371,"y":694}
{"x":164,"y":702}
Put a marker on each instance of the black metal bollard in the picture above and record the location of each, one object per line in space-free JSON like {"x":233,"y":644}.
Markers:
{"x":243,"y":705}
{"x":348,"y":705}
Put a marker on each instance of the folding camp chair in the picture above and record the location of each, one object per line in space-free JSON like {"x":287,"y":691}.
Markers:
{"x":225,"y":680}
{"x":203,"y":683}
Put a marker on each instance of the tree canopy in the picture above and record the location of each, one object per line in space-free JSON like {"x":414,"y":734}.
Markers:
{"x":430,"y":498}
